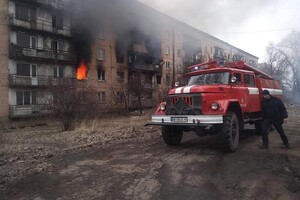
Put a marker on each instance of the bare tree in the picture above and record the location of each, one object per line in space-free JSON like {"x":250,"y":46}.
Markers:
{"x":70,"y":103}
{"x":136,"y":88}
{"x":119,"y":103}
{"x":284,"y":61}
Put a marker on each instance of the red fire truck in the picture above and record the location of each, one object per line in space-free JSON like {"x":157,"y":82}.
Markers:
{"x":218,"y":99}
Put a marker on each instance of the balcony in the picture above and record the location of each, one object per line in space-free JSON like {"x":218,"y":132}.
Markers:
{"x":41,"y":54}
{"x":39,"y":81}
{"x":58,"y":4}
{"x":40,"y":25}
{"x":144,"y":62}
{"x":49,"y":4}
{"x":20,"y":111}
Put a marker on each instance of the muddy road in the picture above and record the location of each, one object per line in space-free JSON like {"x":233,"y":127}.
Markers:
{"x":149,"y":169}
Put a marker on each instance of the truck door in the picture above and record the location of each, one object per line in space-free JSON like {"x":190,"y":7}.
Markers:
{"x":241,"y":92}
{"x":253,"y":92}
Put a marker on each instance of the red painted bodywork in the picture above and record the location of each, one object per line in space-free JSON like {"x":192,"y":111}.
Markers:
{"x":226,"y":94}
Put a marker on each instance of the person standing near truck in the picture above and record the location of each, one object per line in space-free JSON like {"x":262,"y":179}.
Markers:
{"x":273,"y":112}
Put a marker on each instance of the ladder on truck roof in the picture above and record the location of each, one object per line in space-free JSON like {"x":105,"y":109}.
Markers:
{"x":235,"y":64}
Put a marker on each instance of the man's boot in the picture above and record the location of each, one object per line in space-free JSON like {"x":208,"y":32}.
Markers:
{"x":264,"y":146}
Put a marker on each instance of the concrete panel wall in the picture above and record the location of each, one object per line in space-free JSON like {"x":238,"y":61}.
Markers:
{"x":4,"y":39}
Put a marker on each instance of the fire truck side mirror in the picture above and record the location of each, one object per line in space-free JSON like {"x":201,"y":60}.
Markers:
{"x":233,"y":79}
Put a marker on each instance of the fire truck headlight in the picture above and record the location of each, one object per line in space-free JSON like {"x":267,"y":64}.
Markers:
{"x":214,"y":106}
{"x":162,"y":107}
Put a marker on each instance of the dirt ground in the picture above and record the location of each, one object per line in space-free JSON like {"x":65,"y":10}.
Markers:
{"x":119,"y":158}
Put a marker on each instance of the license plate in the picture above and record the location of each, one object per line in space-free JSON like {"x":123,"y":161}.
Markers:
{"x":179,"y":119}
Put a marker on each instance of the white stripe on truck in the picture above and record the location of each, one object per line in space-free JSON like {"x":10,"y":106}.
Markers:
{"x":253,"y":90}
{"x":187,"y":89}
{"x":178,"y":90}
{"x":274,"y":91}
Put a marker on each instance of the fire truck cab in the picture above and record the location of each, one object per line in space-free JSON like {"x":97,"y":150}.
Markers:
{"x":218,"y":99}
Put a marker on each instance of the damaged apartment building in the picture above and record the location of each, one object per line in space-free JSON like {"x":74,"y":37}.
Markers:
{"x":131,"y":52}
{"x":35,"y":53}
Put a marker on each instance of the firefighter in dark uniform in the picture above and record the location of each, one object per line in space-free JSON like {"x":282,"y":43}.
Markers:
{"x":273,"y":112}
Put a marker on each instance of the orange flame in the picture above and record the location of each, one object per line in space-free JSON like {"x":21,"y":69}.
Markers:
{"x":82,"y":71}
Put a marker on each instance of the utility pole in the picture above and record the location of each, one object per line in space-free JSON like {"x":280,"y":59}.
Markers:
{"x":173,"y":55}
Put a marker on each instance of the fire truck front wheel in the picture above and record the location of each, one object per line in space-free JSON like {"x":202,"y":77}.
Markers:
{"x":229,"y":132}
{"x":172,"y":135}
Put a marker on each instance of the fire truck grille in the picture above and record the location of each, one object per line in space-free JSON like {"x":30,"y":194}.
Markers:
{"x":184,"y":104}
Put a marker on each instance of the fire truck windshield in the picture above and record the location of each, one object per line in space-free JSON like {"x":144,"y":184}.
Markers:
{"x":217,"y":78}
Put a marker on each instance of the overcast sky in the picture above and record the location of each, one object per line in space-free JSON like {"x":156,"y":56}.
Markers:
{"x":247,"y":24}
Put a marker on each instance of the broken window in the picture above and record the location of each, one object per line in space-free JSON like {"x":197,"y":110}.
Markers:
{"x":158,"y":79}
{"x":101,"y":54}
{"x":120,"y":51}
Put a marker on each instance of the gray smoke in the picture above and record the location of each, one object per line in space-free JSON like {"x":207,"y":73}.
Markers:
{"x":214,"y":16}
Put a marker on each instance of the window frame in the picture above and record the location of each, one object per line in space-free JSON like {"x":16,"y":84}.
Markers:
{"x":102,"y":97}
{"x":32,"y":98}
{"x":32,"y":69}
{"x":101,"y":75}
{"x":100,"y":56}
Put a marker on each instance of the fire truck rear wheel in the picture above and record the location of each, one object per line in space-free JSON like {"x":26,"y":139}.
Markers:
{"x":172,"y":135}
{"x":229,"y":132}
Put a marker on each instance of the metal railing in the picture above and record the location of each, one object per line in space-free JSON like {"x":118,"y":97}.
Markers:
{"x":40,"y":25}
{"x":143,"y":61}
{"x":58,"y":4}
{"x":16,"y":111}
{"x":16,"y":51}
{"x":40,"y":81}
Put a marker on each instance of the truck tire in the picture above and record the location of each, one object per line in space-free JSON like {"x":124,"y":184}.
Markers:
{"x":258,"y":127}
{"x":172,"y":135}
{"x":229,"y":132}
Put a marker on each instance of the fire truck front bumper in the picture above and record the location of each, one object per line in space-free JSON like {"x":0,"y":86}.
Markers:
{"x":186,"y":120}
